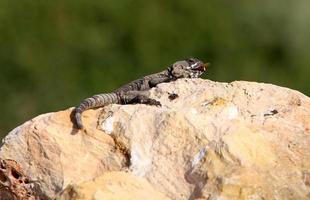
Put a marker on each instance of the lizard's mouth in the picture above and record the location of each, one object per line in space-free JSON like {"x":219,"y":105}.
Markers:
{"x":198,"y":69}
{"x":201,"y":67}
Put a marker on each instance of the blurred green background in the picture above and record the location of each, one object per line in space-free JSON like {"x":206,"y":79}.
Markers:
{"x":55,"y":53}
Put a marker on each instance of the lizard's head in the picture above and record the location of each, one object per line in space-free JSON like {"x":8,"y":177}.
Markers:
{"x":188,"y":68}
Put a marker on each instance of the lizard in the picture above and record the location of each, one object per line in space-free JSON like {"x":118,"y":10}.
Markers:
{"x":137,"y":91}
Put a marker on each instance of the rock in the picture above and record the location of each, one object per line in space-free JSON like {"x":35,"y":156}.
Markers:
{"x":54,"y":155}
{"x":239,"y":140}
{"x":14,"y":184}
{"x":113,"y":185}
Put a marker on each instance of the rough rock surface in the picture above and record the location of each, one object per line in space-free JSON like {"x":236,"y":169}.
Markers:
{"x":239,"y":140}
{"x":14,"y":184}
{"x":113,"y":185}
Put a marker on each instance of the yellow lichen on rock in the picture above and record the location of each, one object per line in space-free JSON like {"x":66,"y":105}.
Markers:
{"x":252,"y":149}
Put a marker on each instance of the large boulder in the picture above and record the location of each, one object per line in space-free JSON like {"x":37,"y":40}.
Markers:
{"x":239,"y":140}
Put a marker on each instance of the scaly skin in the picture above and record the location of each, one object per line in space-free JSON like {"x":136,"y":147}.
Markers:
{"x":137,"y":91}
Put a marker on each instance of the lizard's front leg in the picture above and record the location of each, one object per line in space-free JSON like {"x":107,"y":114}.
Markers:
{"x":142,"y":97}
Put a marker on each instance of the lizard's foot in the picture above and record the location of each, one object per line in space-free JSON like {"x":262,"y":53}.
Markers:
{"x":155,"y":103}
{"x":139,"y":97}
{"x":151,"y":102}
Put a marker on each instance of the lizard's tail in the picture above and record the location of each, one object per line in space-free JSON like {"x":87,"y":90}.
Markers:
{"x":94,"y":102}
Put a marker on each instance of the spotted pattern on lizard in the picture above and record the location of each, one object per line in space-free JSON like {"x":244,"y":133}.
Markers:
{"x":137,"y":91}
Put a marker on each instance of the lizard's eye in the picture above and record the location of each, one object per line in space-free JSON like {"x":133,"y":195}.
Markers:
{"x":191,"y":61}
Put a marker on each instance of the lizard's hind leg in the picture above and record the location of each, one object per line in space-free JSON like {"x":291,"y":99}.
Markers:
{"x":142,"y":97}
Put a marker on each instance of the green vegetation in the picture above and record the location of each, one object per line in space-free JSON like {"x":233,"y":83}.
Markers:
{"x":55,"y":53}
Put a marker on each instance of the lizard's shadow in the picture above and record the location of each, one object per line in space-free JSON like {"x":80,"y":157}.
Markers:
{"x":74,"y":130}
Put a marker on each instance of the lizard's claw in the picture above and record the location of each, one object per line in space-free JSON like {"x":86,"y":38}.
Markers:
{"x":156,"y":103}
{"x":151,"y":102}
